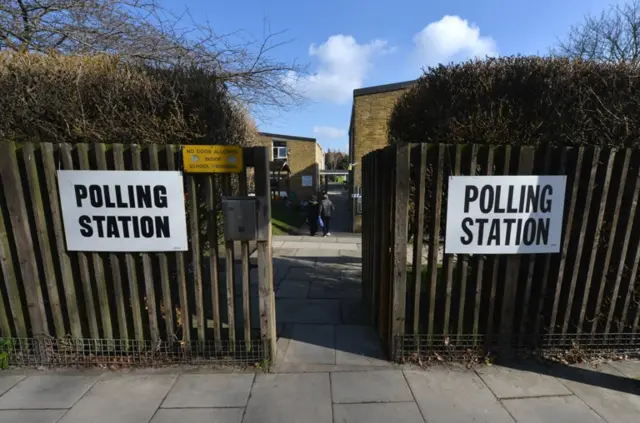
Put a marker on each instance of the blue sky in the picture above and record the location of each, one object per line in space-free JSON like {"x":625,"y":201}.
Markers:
{"x":350,"y":44}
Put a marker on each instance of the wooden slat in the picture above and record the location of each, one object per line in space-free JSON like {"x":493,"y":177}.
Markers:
{"x":596,"y":238}
{"x":194,"y":231}
{"x":163,"y":262}
{"x":465,"y":257}
{"x":496,"y":263}
{"x":18,"y":216}
{"x":525,"y":167}
{"x":5,"y":327}
{"x":265,"y":269}
{"x":183,"y":316}
{"x":580,"y":247}
{"x":83,"y":262}
{"x":58,"y":234}
{"x":42,"y":236}
{"x":421,"y":182}
{"x":401,"y":220}
{"x":450,"y":261}
{"x":244,"y":254}
{"x":480,"y":261}
{"x":96,"y":261}
{"x":212,"y":235}
{"x":611,"y":242}
{"x":566,"y":238}
{"x":630,"y":290}
{"x":623,"y":253}
{"x":230,"y":273}
{"x":385,"y":297}
{"x":375,"y":210}
{"x":130,"y":264}
{"x":434,"y":248}
{"x":147,"y":268}
{"x":9,"y":275}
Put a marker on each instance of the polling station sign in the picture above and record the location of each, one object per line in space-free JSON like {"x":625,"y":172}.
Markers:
{"x":123,"y":211}
{"x":504,"y":214}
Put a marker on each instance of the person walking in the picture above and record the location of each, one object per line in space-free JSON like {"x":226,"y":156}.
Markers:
{"x":313,"y":213}
{"x":326,"y":210}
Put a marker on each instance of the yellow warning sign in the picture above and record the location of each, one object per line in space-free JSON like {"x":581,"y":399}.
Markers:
{"x":212,"y":159}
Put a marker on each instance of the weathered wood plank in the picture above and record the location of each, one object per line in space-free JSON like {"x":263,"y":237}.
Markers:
{"x":401,"y":220}
{"x":230,"y":272}
{"x":212,"y":235}
{"x":244,"y":254}
{"x":96,"y":261}
{"x":623,"y":252}
{"x":182,"y":314}
{"x":163,"y":263}
{"x":480,"y":262}
{"x":83,"y":261}
{"x":596,"y":238}
{"x":265,"y":269}
{"x":194,"y":232}
{"x":421,"y":182}
{"x":434,"y":246}
{"x":611,"y":242}
{"x":566,"y":238}
{"x":580,"y":247}
{"x":51,"y":181}
{"x":42,"y":237}
{"x":450,"y":260}
{"x":465,"y":257}
{"x":130,"y":264}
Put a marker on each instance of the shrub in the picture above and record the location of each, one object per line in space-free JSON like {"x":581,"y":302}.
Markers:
{"x":522,"y":100}
{"x":102,"y":98}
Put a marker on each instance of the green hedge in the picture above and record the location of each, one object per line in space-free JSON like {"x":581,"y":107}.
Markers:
{"x":522,"y":100}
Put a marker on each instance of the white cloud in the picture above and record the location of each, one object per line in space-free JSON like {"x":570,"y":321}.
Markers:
{"x":452,"y":38}
{"x":329,"y":132}
{"x":343,"y":66}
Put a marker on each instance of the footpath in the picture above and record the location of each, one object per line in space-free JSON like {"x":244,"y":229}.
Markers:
{"x":330,"y":368}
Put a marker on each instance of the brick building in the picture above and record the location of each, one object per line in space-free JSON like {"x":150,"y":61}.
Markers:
{"x":370,"y":115}
{"x":304,"y":158}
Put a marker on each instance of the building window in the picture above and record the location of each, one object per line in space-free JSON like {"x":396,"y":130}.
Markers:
{"x":279,"y":150}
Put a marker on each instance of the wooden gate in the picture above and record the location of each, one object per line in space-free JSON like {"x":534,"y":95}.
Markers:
{"x":425,"y":301}
{"x":210,"y":304}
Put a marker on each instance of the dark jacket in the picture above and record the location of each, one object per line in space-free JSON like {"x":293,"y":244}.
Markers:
{"x":326,"y":208}
{"x":313,"y":210}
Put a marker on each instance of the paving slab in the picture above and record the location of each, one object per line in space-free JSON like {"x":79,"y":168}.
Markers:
{"x":31,"y":416}
{"x":315,"y":252}
{"x":284,"y":252}
{"x":9,"y":381}
{"x":370,"y":386}
{"x":337,"y":247}
{"x":291,"y":288}
{"x":132,"y":398}
{"x":297,"y":245}
{"x":338,"y":289}
{"x":199,"y":415}
{"x":355,"y":312}
{"x":349,"y":240}
{"x":319,"y":239}
{"x":608,"y":392}
{"x":312,"y":344}
{"x":551,"y":409}
{"x":358,"y":345}
{"x":451,"y":395}
{"x":302,"y":397}
{"x":630,"y":368}
{"x":356,"y":254}
{"x":290,"y":310}
{"x":396,"y":412}
{"x":212,"y":390}
{"x":47,"y":391}
{"x":530,"y":381}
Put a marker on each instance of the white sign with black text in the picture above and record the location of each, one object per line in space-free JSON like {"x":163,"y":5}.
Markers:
{"x":504,"y":214}
{"x":123,"y":211}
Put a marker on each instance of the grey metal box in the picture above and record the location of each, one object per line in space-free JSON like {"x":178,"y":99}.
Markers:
{"x":240,"y":218}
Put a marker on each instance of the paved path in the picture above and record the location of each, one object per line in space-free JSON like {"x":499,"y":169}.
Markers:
{"x":329,"y":369}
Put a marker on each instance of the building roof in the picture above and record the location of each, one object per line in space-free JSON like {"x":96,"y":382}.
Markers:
{"x":377,"y":89}
{"x":286,"y":137}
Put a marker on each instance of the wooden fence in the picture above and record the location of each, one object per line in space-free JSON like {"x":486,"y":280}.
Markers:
{"x":123,"y":308}
{"x":423,"y":301}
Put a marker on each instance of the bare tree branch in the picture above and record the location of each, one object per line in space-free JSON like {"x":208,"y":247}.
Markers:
{"x":613,"y":36}
{"x":143,"y":31}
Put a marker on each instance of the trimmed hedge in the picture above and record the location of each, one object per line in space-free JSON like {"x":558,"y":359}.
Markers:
{"x":522,"y":100}
{"x":58,"y":98}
